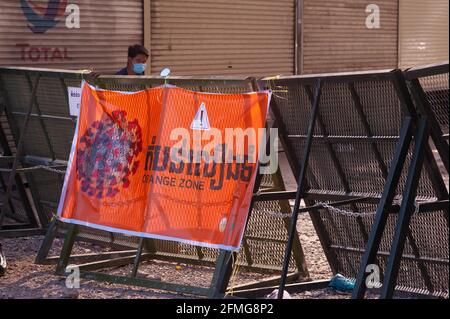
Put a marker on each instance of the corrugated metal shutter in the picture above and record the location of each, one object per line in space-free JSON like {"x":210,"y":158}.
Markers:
{"x":235,"y":37}
{"x":423,"y":32}
{"x":107,"y":28}
{"x":335,"y":36}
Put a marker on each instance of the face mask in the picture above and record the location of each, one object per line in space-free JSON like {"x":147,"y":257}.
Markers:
{"x":139,"y":68}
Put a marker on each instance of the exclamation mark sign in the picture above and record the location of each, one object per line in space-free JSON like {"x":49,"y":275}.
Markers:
{"x":201,"y":120}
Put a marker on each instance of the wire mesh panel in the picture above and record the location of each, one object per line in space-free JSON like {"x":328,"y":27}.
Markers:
{"x":47,"y":143}
{"x":17,"y":216}
{"x":47,"y":138}
{"x":429,"y":87}
{"x":18,"y":213}
{"x":358,"y":124}
{"x":436,"y":90}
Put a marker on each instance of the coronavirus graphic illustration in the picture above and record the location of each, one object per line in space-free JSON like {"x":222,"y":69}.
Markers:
{"x":107,"y":155}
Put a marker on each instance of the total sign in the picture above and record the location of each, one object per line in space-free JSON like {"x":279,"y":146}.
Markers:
{"x":41,"y":16}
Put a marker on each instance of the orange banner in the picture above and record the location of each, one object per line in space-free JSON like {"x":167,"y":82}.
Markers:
{"x":165,"y":163}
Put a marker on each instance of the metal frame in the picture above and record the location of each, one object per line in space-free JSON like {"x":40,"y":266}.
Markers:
{"x":21,"y":168}
{"x":418,"y":123}
{"x":223,"y":266}
{"x":406,"y":211}
{"x":106,"y":81}
{"x":422,"y":154}
{"x":144,"y":250}
{"x":424,"y":107}
{"x":421,"y":157}
{"x":216,"y":289}
{"x":382,"y":214}
{"x":301,"y":186}
{"x":15,"y":181}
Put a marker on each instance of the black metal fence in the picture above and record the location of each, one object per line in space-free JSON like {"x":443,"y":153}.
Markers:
{"x":429,"y":88}
{"x":356,"y":142}
{"x":46,"y":141}
{"x":353,"y":140}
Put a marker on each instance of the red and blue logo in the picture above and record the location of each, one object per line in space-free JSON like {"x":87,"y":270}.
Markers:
{"x":40,"y":17}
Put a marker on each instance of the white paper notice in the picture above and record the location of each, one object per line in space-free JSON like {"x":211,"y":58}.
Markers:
{"x":74,"y":100}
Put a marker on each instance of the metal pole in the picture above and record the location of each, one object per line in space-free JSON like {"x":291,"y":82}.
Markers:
{"x":47,"y":242}
{"x":137,"y":259}
{"x":385,"y":203}
{"x":425,"y":108}
{"x":300,"y":188}
{"x":66,"y":250}
{"x":406,"y":211}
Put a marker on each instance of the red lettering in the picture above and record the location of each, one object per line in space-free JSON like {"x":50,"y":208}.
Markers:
{"x":45,"y":51}
{"x":22,"y":47}
{"x":56,"y":54}
{"x":35,"y":53}
{"x":35,"y":57}
{"x":66,"y":55}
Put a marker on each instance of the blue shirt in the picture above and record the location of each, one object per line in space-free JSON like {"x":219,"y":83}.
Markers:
{"x":124,"y":71}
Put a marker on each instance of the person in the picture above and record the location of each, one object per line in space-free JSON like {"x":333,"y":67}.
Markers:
{"x":137,"y":59}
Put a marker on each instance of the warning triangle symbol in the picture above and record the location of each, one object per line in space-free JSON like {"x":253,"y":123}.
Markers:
{"x":201,"y":120}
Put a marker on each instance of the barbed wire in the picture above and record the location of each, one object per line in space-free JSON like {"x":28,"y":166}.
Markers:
{"x":276,"y":214}
{"x":336,"y":210}
{"x":319,"y":205}
{"x":52,"y":169}
{"x":345,"y":212}
{"x":125,"y":202}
